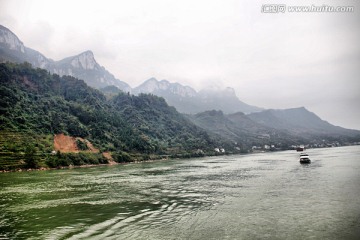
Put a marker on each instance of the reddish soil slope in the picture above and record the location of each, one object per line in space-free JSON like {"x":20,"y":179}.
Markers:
{"x":67,"y":144}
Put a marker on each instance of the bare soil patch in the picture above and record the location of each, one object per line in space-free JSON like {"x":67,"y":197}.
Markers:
{"x":67,"y":144}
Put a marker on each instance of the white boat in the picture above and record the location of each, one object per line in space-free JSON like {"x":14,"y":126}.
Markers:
{"x":304,"y":158}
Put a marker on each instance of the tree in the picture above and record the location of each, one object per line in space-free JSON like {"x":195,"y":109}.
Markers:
{"x":30,"y":156}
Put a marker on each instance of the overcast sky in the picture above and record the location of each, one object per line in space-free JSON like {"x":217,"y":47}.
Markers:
{"x":272,"y":60}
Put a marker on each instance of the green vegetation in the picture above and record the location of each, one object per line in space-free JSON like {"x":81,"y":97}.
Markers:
{"x":35,"y":105}
{"x":81,"y":145}
{"x":74,"y":159}
{"x":122,"y":157}
{"x":19,"y":150}
{"x":27,"y":150}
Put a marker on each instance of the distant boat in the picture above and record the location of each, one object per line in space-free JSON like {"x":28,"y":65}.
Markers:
{"x":304,"y":158}
{"x":300,"y":148}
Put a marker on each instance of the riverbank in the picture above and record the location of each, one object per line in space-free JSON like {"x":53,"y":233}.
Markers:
{"x":78,"y":159}
{"x":79,"y":166}
{"x":145,"y":158}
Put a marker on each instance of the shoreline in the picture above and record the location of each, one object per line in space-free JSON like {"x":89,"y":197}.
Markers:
{"x":112,"y":163}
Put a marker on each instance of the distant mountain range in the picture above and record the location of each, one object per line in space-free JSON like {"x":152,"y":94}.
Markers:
{"x":300,"y":122}
{"x":280,"y":127}
{"x":126,"y":127}
{"x":219,"y":112}
{"x":186,"y":100}
{"x":84,"y":66}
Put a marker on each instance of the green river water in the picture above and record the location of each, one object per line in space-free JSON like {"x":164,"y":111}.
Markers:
{"x":254,"y":196}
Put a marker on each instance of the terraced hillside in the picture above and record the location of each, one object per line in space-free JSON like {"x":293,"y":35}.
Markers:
{"x":21,"y":150}
{"x":29,"y":151}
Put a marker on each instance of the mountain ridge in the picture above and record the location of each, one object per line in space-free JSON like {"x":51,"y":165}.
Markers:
{"x":35,"y":102}
{"x":153,"y":85}
{"x":187,"y":100}
{"x":84,"y":66}
{"x":249,"y":130}
{"x":184,"y":98}
{"x":299,"y":121}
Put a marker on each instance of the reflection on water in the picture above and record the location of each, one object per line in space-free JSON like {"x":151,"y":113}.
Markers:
{"x":258,"y":196}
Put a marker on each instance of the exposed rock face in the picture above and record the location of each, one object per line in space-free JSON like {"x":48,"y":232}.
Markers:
{"x":11,"y":40}
{"x":154,"y":86}
{"x":82,"y":66}
{"x":85,"y":60}
{"x":186,"y":100}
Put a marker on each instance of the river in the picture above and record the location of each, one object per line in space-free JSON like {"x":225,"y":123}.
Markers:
{"x":254,"y":196}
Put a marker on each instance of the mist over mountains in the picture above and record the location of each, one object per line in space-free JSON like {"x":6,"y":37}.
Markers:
{"x":187,"y":100}
{"x":84,"y":66}
{"x":218,"y":111}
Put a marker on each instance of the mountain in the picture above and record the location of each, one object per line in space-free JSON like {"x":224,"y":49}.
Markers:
{"x":239,"y":128}
{"x":186,"y":100}
{"x":13,"y":50}
{"x":176,"y":95}
{"x":281,"y":128}
{"x":83,"y":66}
{"x":215,"y":110}
{"x":216,"y":122}
{"x":110,"y":90}
{"x":300,"y":121}
{"x":34,"y":102}
{"x":225,"y":100}
{"x":154,"y":86}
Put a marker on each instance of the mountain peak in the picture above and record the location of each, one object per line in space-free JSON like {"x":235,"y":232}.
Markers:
{"x":82,"y":66}
{"x":152,"y":85}
{"x":151,"y":80}
{"x":84,"y":60}
{"x":8,"y":38}
{"x":164,"y":87}
{"x":87,"y":53}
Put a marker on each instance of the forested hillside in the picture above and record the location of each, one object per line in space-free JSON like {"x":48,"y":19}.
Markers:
{"x":35,"y":102}
{"x":35,"y":106}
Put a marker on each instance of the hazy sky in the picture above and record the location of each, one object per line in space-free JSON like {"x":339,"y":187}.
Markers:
{"x":272,"y":60}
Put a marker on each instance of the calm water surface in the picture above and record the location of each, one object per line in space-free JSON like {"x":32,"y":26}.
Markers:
{"x":256,"y":196}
